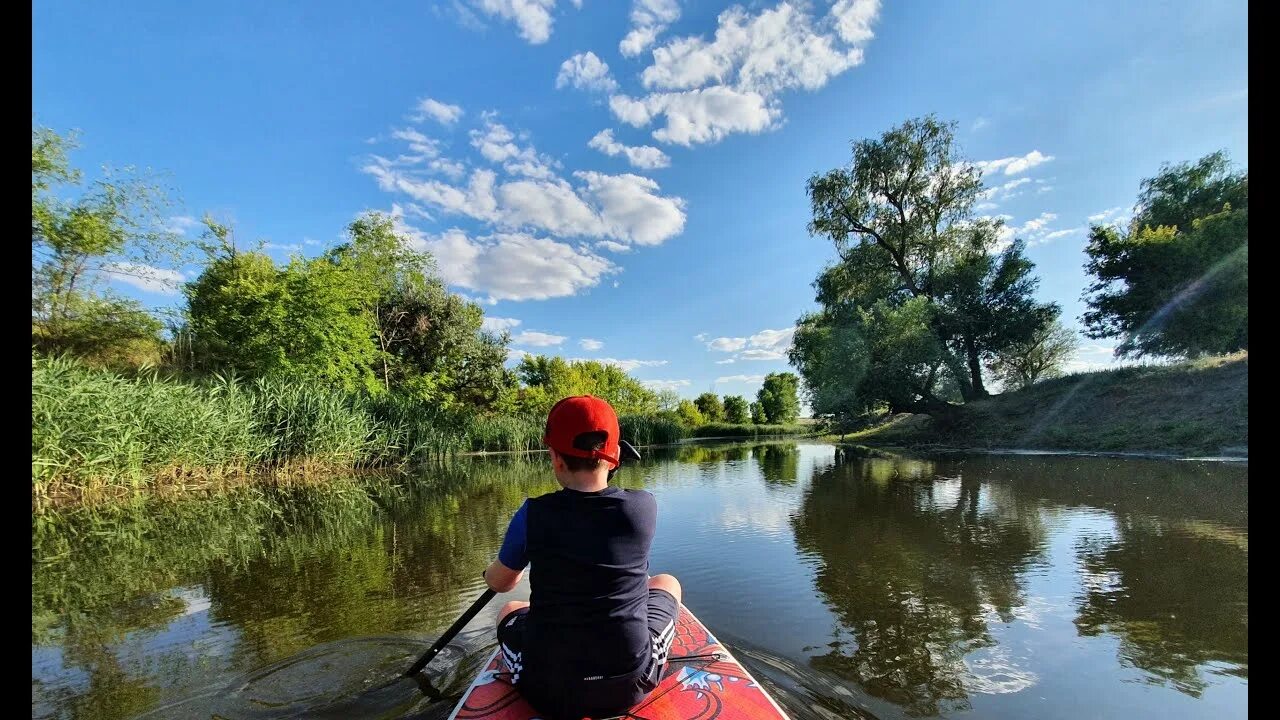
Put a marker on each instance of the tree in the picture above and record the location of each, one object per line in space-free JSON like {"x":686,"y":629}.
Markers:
{"x":548,"y":379}
{"x":689,"y":414}
{"x":736,"y":410}
{"x":757,"y":414}
{"x":433,"y":345}
{"x":1176,"y":282}
{"x":112,"y":229}
{"x":913,"y":262}
{"x":778,"y":398}
{"x":307,"y":319}
{"x":1042,"y":356}
{"x":709,"y":405}
{"x":392,"y":271}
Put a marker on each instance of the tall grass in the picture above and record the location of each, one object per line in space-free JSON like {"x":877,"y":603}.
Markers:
{"x":660,"y":429}
{"x":92,"y":428}
{"x":717,"y":430}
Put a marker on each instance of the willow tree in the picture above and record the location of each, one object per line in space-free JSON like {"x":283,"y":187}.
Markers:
{"x":922,"y":288}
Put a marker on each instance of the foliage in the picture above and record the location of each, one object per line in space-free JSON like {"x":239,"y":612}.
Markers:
{"x":778,"y":398}
{"x":736,"y":410}
{"x":1176,"y":282}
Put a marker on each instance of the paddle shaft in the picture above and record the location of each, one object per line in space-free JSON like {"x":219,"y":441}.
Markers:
{"x":453,"y":630}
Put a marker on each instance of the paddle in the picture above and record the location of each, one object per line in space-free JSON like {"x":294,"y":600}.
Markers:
{"x":452,"y":632}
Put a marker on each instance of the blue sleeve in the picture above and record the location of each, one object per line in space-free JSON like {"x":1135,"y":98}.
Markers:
{"x":513,"y":553}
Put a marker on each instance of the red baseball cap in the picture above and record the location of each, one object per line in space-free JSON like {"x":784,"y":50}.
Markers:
{"x":579,"y":414}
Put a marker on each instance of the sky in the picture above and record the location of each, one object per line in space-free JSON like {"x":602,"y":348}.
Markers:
{"x":624,"y":180}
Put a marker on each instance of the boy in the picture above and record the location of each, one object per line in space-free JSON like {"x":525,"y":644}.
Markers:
{"x":594,"y":636}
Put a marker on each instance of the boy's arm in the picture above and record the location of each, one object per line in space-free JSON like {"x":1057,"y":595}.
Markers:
{"x":504,"y":573}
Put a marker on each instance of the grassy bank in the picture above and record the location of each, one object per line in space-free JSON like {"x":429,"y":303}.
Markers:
{"x":1193,"y":408}
{"x":91,"y":428}
{"x":729,"y":430}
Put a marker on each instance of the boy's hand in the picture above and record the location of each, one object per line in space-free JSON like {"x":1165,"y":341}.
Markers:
{"x":501,"y":578}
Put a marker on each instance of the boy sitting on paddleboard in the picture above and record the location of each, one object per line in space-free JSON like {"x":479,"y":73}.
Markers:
{"x":594,"y":636}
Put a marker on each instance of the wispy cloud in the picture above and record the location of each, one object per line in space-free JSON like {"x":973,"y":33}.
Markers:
{"x":660,"y":385}
{"x":590,"y":345}
{"x":1014,"y":165}
{"x":641,"y":156}
{"x":145,"y":277}
{"x":498,"y":324}
{"x":442,"y":113}
{"x":534,"y":338}
{"x":747,"y":379}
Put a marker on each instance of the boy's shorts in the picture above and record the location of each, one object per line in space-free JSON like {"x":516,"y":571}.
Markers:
{"x":663,"y":610}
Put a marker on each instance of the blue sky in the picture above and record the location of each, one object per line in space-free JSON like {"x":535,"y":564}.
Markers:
{"x":626,"y":178}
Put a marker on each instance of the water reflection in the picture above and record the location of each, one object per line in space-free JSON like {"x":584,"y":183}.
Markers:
{"x":858,"y":583}
{"x":911,"y":567}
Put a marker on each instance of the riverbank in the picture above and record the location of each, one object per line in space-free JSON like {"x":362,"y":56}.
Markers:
{"x":1198,"y":408}
{"x":96,"y":433}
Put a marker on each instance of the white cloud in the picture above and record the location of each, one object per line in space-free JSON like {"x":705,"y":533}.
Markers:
{"x":532,"y":17}
{"x":979,"y":123}
{"x":630,"y":209}
{"x":498,"y":324}
{"x":709,"y":89}
{"x":727,"y":344}
{"x":180,"y":224}
{"x":418,"y":142}
{"x":511,"y":256}
{"x":703,"y":115}
{"x":649,"y":19}
{"x":612,"y":246}
{"x":1048,"y":237}
{"x":637,"y":40}
{"x":727,"y":361}
{"x":145,"y":277}
{"x":513,"y":266}
{"x":1036,"y":225}
{"x":442,"y":113}
{"x":779,"y":48}
{"x":749,"y":379}
{"x":1014,"y":165}
{"x":627,"y":365}
{"x":1035,"y":231}
{"x":854,"y":18}
{"x":283,"y":247}
{"x":514,"y":355}
{"x":641,"y":156}
{"x":585,"y":71}
{"x":772,"y":339}
{"x":309,"y":241}
{"x":1005,"y":191}
{"x":1112,"y":216}
{"x":660,"y":385}
{"x":590,"y":344}
{"x":764,"y":345}
{"x":537,"y":339}
{"x":625,"y":208}
{"x":980,"y":207}
{"x":496,"y":144}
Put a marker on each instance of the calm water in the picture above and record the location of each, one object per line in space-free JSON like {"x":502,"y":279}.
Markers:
{"x":853,"y":586}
